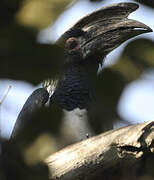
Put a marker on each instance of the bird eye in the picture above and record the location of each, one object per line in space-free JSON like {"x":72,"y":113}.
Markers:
{"x":71,"y":43}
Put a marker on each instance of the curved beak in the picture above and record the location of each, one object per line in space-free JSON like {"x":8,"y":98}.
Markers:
{"x":107,"y":28}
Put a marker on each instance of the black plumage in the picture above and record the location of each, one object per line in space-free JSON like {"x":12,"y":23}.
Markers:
{"x":73,"y":88}
{"x":85,"y":46}
{"x":34,"y":102}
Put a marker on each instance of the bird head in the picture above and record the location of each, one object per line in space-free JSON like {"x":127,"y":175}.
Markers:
{"x":101,"y":31}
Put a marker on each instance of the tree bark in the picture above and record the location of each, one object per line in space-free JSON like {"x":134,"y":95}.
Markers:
{"x":120,"y":154}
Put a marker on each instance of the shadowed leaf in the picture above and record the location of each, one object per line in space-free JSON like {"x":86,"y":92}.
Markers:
{"x":8,"y":9}
{"x":23,"y":58}
{"x":13,"y":166}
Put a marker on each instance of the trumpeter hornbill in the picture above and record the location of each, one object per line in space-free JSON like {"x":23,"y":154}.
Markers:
{"x":86,"y":44}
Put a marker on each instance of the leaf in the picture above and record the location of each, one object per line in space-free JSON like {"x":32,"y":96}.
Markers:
{"x":40,"y":13}
{"x":12,"y":165}
{"x":8,"y":8}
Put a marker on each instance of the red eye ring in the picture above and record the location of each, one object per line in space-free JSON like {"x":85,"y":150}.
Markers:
{"x":72,"y":44}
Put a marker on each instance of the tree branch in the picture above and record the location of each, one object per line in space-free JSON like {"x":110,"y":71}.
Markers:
{"x":106,"y":156}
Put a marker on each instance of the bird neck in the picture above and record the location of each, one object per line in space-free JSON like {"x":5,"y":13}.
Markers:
{"x":74,"y":89}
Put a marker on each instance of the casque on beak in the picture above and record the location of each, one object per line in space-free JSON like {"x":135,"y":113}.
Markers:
{"x":107,"y":28}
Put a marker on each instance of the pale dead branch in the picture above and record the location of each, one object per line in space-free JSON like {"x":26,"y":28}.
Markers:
{"x":116,"y":154}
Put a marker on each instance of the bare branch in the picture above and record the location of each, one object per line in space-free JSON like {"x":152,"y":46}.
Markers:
{"x":111,"y":155}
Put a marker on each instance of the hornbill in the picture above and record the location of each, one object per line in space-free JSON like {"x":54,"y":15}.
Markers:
{"x":85,"y":46}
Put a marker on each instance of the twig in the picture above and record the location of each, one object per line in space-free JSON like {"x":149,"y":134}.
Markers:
{"x":5,"y":94}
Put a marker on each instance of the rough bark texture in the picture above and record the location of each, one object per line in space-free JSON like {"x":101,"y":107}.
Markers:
{"x":121,"y":154}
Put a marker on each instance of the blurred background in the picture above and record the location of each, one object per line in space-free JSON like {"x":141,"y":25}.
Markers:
{"x":27,"y":56}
